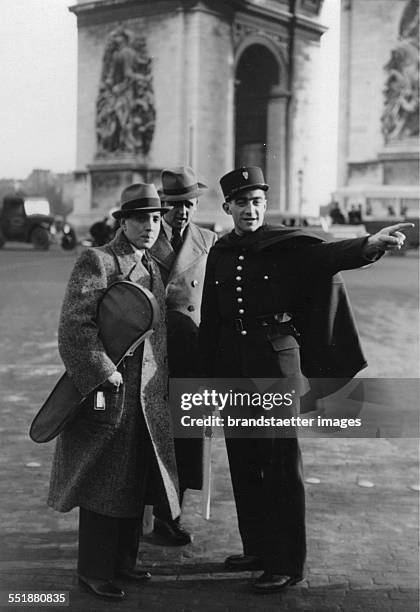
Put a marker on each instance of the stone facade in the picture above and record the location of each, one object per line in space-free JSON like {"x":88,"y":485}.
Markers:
{"x":373,"y":167}
{"x":195,"y":48}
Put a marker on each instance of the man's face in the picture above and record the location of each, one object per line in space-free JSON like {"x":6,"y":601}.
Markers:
{"x":247,"y":210}
{"x":142,"y":229}
{"x":181,"y":213}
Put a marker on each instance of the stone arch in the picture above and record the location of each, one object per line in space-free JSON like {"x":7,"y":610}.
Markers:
{"x":260,"y":111}
{"x":270,"y":44}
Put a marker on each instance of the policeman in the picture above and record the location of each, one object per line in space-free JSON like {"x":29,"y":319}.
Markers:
{"x":181,"y":252}
{"x":263,"y":287}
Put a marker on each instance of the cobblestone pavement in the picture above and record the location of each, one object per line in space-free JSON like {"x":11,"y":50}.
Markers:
{"x":362,"y":541}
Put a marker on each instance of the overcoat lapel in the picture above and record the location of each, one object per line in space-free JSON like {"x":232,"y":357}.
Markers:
{"x":193,"y":248}
{"x":124,"y":254}
{"x":162,"y":251}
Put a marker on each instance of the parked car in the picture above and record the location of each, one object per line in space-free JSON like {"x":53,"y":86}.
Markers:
{"x":29,"y":219}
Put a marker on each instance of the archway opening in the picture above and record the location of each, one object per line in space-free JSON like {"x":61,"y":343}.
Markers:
{"x":256,"y":75}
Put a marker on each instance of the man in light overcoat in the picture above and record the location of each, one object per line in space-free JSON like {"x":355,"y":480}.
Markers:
{"x":181,"y":253}
{"x":108,"y":462}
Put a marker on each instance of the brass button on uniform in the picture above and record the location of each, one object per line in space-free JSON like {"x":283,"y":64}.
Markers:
{"x":191,"y":308}
{"x":238,"y":288}
{"x":266,"y":277}
{"x":241,"y":257}
{"x":239,"y":278}
{"x":216,"y":282}
{"x":244,"y":332}
{"x":239,"y":268}
{"x":241,"y":311}
{"x":194,"y":283}
{"x":239,"y":300}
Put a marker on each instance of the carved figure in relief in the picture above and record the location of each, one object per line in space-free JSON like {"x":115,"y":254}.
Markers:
{"x":400,"y":118}
{"x":125,"y":109}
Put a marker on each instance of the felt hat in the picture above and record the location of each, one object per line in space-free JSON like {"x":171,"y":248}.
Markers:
{"x":138,"y":198}
{"x":180,"y":183}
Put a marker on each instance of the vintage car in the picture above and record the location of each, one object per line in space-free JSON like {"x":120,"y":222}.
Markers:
{"x":29,"y":219}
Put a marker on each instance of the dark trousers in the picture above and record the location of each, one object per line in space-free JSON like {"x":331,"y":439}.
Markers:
{"x":106,"y":544}
{"x":270,"y":501}
{"x":162,"y":510}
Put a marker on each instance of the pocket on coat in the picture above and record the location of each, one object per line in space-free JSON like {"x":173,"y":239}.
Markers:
{"x":287,"y":353}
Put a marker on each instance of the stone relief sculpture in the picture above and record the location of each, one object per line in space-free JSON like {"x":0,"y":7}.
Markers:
{"x":400,"y":118}
{"x":125,"y":108}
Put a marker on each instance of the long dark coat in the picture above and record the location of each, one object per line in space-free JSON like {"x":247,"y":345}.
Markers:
{"x":287,"y":274}
{"x":98,"y":465}
{"x":183,"y":276}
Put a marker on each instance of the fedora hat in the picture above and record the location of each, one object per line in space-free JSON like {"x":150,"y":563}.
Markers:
{"x":139,"y":197}
{"x":180,"y":183}
{"x":247,"y":177}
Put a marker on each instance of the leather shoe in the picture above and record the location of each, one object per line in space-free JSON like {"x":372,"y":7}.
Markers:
{"x":134,"y":574}
{"x":104,"y":589}
{"x":243,"y":563}
{"x":270,"y":583}
{"x":172,"y":532}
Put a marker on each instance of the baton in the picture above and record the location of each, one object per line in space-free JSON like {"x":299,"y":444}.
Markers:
{"x":207,"y":443}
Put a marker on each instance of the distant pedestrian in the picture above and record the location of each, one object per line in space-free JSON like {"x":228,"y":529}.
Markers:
{"x":354,"y":216}
{"x":336,"y":214}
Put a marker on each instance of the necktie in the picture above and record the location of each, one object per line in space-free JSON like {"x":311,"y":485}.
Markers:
{"x":145,"y":263}
{"x":176,"y":240}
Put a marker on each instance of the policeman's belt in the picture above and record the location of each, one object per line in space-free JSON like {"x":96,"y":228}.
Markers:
{"x":261,"y":321}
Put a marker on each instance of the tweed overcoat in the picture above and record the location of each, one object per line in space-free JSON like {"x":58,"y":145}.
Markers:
{"x":183,"y":277}
{"x":98,"y":465}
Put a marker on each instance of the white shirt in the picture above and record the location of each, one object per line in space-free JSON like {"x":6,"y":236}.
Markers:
{"x":138,"y":252}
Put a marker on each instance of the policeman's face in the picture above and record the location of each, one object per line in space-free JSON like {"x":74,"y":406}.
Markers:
{"x":247,"y":210}
{"x":181,"y":213}
{"x":142,"y":229}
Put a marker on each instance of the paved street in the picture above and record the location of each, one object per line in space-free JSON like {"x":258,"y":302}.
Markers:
{"x":362,"y":540}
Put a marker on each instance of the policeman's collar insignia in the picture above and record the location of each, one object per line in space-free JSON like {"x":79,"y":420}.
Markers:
{"x":245,"y":175}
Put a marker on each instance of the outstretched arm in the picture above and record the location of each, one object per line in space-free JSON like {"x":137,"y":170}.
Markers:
{"x":332,"y":257}
{"x":387,"y":239}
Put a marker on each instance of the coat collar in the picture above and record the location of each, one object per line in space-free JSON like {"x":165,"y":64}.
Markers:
{"x":192,"y":249}
{"x":130,"y":268}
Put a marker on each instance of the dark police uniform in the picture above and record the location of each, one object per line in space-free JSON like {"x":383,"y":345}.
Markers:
{"x":261,"y":290}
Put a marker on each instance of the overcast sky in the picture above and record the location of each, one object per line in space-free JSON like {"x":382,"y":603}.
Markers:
{"x":38,"y":50}
{"x":38,"y":70}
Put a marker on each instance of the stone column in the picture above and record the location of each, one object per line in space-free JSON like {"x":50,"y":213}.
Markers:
{"x":276,"y":148}
{"x":345,"y":92}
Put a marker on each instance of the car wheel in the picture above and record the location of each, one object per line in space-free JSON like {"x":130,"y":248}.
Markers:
{"x":40,"y":238}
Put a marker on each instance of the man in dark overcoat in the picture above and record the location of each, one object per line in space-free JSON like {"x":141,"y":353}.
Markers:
{"x":263,"y":287}
{"x":108,"y":461}
{"x":181,"y":252}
